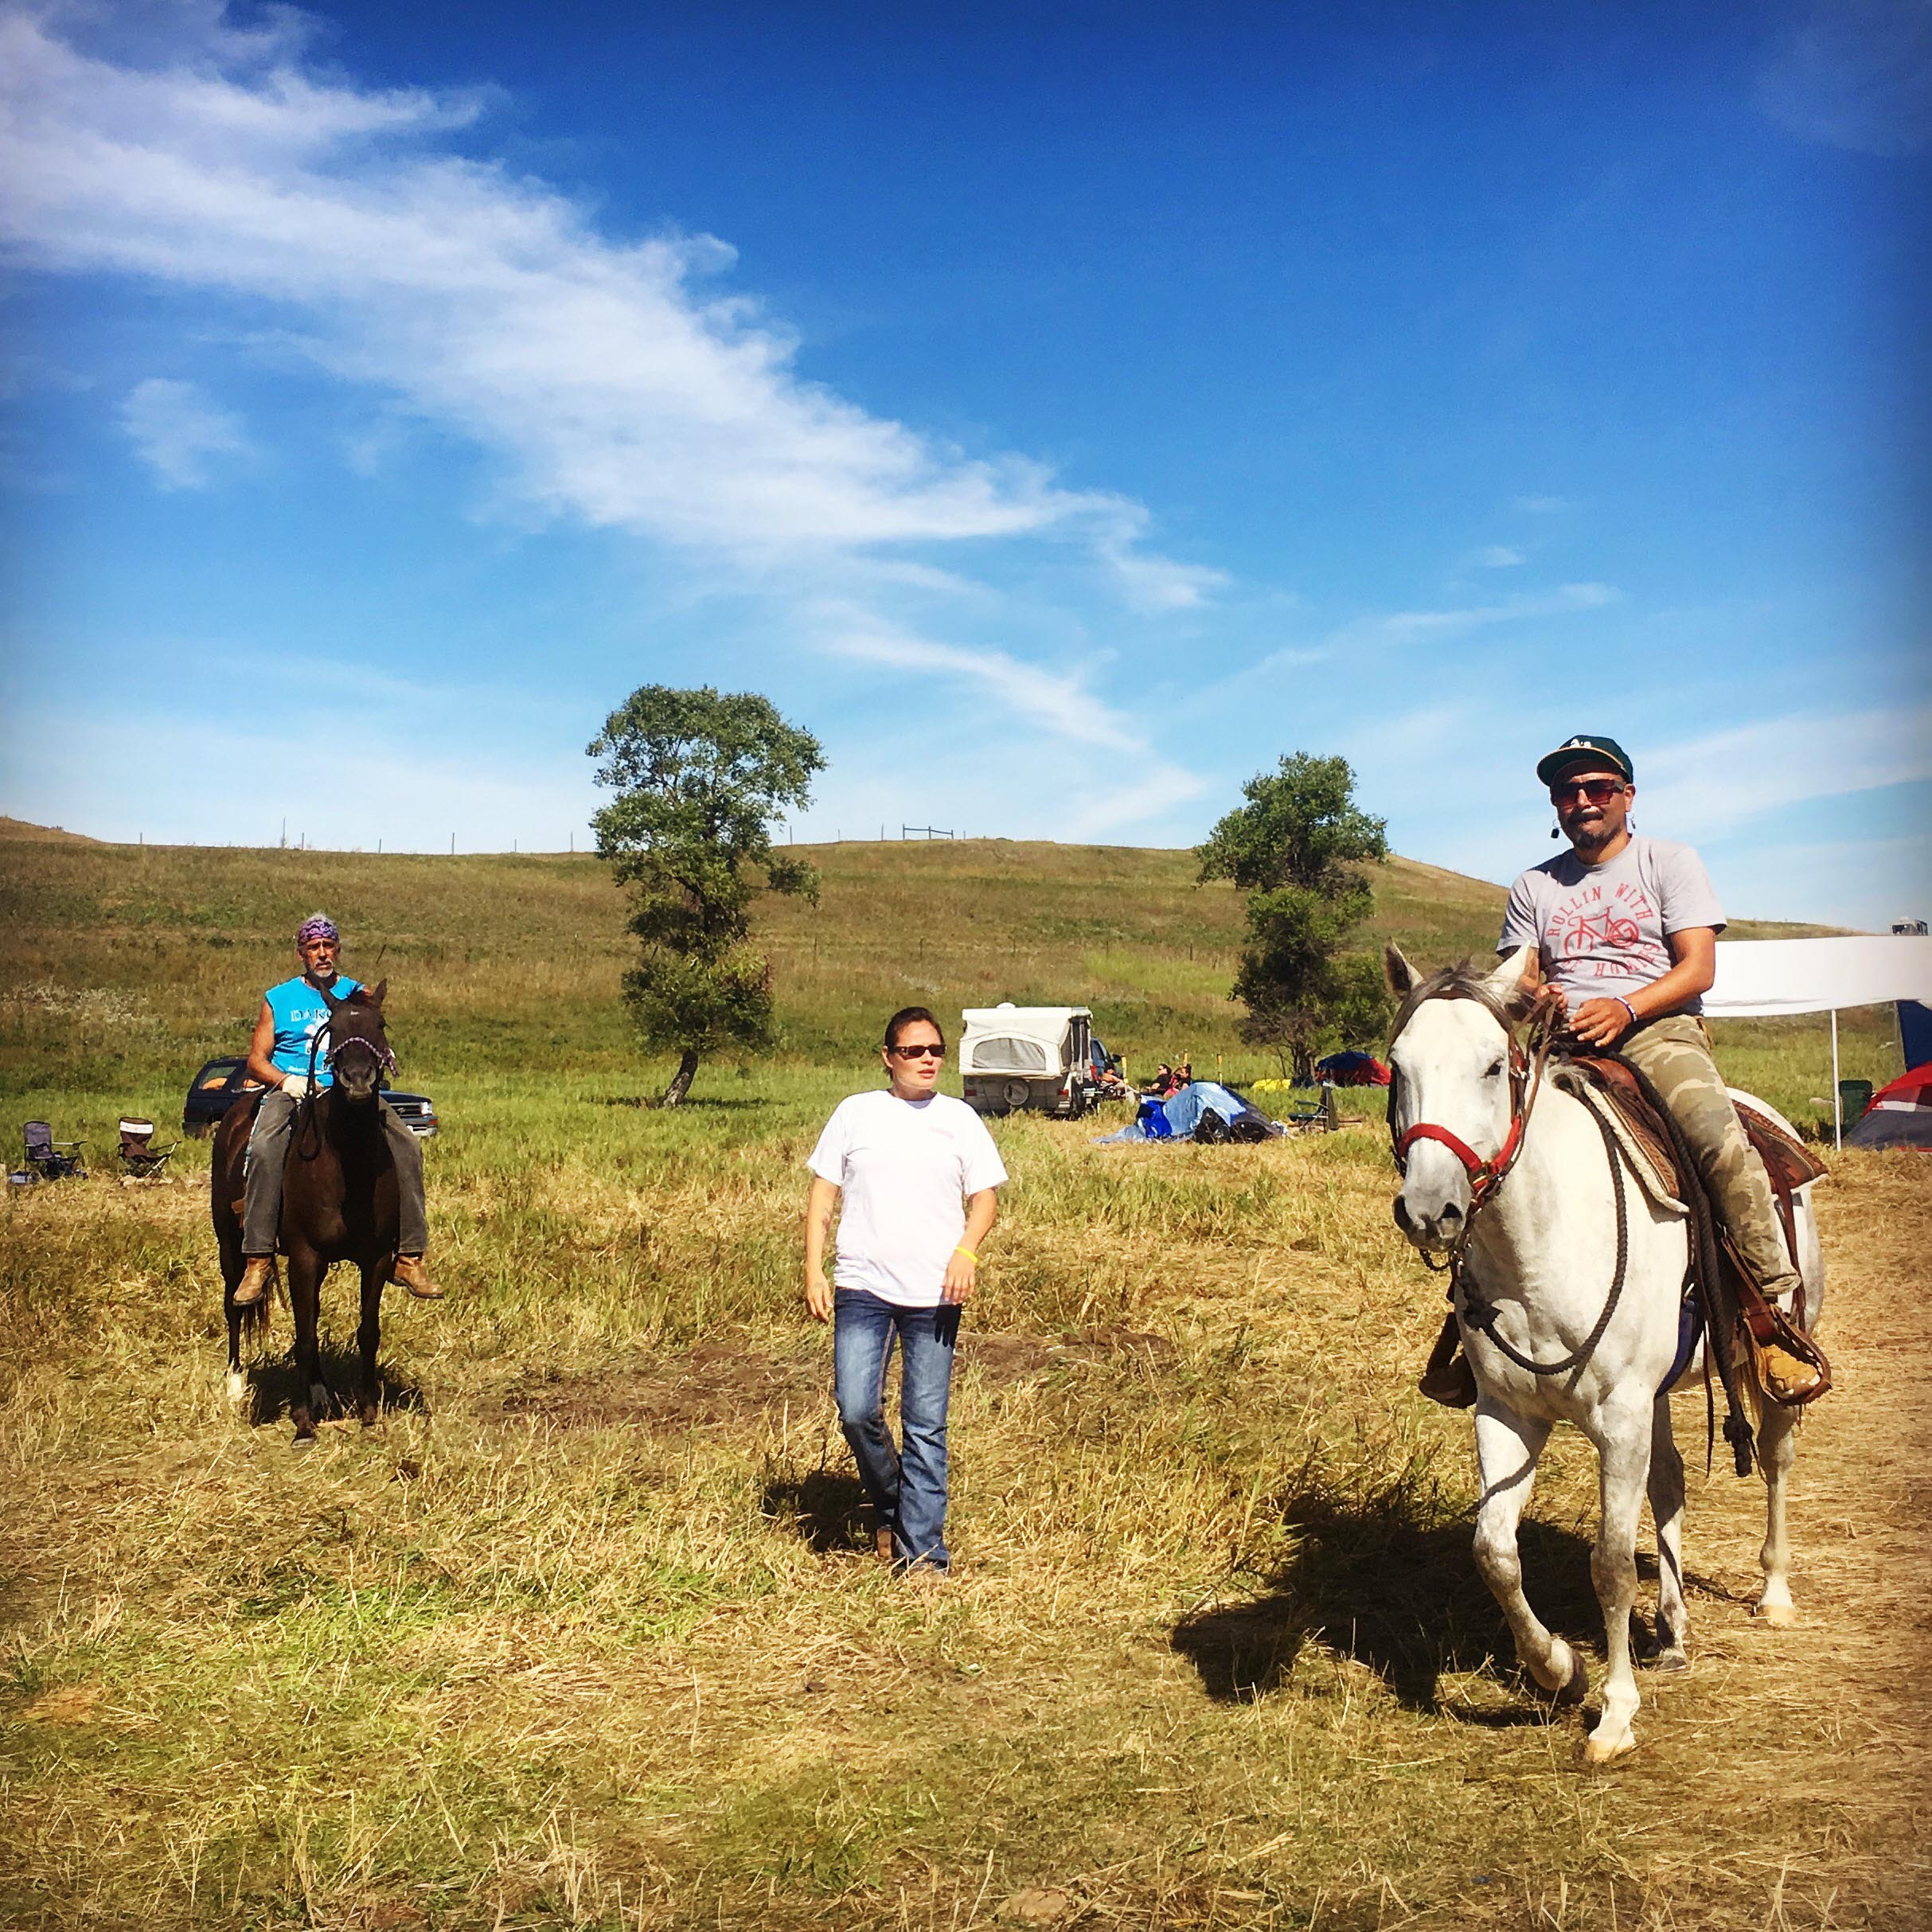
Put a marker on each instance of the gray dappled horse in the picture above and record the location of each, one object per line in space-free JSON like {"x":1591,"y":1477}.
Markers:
{"x":1543,"y":1251}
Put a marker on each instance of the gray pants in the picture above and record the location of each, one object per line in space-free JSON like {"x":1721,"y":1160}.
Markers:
{"x":261,"y":1216}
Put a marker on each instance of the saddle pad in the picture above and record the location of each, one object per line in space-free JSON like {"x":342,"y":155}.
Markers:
{"x":1644,"y":1151}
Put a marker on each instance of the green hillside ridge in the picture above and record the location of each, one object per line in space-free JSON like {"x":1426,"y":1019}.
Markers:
{"x":118,"y":960}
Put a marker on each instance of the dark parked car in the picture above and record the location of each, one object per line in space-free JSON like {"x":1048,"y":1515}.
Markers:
{"x":221,"y":1082}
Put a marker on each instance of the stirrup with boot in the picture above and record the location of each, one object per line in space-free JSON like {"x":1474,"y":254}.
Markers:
{"x":411,"y":1273}
{"x":254,"y":1279}
{"x":1449,"y":1379}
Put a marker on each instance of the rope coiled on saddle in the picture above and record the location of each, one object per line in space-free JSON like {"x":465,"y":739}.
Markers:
{"x":1714,"y":1296}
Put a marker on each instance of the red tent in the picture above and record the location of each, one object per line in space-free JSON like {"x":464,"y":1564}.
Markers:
{"x":1900,"y":1116}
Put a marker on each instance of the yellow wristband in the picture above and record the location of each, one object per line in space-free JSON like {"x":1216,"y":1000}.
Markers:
{"x":967,"y":1252}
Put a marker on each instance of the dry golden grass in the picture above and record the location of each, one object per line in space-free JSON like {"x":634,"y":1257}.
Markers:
{"x":582,"y":1633}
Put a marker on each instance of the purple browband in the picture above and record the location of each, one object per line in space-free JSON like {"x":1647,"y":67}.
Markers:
{"x":317,"y":928}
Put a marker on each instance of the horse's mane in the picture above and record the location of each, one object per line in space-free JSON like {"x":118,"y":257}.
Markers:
{"x":1465,"y":979}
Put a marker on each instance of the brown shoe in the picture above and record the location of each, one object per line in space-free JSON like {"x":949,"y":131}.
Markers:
{"x":254,"y":1279}
{"x":1786,"y":1379}
{"x":410,"y":1271}
{"x":882,"y":1543}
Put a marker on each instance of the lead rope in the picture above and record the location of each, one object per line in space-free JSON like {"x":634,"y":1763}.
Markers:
{"x":1480,"y":1315}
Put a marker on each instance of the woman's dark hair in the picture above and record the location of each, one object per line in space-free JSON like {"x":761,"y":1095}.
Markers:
{"x":910,"y":1015}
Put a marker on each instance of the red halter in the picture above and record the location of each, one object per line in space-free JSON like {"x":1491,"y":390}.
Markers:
{"x":1485,"y":1177}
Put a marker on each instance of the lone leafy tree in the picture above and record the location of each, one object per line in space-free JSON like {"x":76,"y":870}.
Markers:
{"x":699,"y":777}
{"x":1296,"y":848}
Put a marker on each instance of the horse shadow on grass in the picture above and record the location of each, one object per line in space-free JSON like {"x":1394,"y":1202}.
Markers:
{"x":1389,"y":1583}
{"x":826,"y":1509}
{"x":273,"y":1384}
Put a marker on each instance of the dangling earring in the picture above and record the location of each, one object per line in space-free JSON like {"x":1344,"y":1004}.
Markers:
{"x":1556,"y":831}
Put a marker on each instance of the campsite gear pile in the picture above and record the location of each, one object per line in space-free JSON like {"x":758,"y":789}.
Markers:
{"x":1204,"y":1111}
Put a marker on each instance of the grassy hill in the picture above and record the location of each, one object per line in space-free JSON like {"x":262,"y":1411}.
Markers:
{"x":121,"y":962}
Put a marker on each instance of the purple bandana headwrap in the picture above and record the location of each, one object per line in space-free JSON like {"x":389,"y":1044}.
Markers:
{"x":320,"y":926}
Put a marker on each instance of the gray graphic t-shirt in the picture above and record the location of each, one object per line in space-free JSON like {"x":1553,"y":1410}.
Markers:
{"x":1602,"y":929}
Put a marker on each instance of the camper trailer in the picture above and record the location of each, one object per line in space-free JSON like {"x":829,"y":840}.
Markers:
{"x":1044,"y":1057}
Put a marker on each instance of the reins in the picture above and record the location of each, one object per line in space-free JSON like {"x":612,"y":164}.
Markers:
{"x":308,"y":1136}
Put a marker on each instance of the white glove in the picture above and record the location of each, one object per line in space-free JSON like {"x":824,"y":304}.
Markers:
{"x":294,"y":1085}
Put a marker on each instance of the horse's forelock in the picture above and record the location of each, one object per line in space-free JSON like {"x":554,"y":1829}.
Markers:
{"x":1463,"y":980}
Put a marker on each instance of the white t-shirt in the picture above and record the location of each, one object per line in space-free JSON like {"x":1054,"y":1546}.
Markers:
{"x":1603,"y":929}
{"x":905,"y":1168}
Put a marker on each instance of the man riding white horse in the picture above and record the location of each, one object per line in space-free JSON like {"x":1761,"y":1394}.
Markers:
{"x":1626,"y":927}
{"x":282,"y":1056}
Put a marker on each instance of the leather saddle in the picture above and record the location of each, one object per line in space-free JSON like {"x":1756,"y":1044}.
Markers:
{"x":1769,"y":1333}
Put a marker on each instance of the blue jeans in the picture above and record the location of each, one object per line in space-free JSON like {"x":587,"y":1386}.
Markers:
{"x":907,"y":1488}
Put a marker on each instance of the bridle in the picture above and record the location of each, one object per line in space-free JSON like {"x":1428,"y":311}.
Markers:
{"x":1485,"y":1177}
{"x":1474,"y":1310}
{"x":308,"y":1140}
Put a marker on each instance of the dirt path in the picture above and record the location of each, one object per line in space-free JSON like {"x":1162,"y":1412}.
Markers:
{"x":1832,"y":1712}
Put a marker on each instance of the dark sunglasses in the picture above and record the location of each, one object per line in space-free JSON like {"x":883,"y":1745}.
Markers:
{"x":1599,"y":791}
{"x":917,"y":1052}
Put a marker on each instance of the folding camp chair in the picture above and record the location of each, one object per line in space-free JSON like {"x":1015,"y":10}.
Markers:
{"x":142,"y":1161}
{"x":49,"y":1159}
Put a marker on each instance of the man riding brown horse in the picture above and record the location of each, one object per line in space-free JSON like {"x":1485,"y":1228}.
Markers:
{"x":282,"y":1056}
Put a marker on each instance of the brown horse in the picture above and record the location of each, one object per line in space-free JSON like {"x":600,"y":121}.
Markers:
{"x":339,"y":1202}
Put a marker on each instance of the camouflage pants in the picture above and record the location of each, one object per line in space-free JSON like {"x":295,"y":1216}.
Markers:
{"x":1675,"y":1053}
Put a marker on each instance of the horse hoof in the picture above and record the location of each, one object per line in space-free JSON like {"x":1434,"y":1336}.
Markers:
{"x":1775,"y":1616}
{"x":305,"y":1439}
{"x":1576,"y":1686}
{"x":1607,"y":1751}
{"x":235,"y":1385}
{"x":1673,"y":1662}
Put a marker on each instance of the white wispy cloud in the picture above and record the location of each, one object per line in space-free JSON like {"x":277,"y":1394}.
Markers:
{"x":1500,"y":557}
{"x":178,"y":432}
{"x":1400,"y":627}
{"x":1854,"y":74}
{"x":1717,"y":781}
{"x":1056,"y":703}
{"x":1087,"y":738}
{"x":615,"y":380}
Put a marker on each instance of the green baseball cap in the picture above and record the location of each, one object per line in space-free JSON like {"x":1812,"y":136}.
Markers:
{"x":1586,"y":746}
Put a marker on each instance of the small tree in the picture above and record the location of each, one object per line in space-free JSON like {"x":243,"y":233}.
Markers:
{"x":1296,"y":848}
{"x":699,"y":777}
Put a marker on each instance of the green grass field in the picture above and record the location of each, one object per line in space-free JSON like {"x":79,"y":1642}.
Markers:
{"x":582,"y":1633}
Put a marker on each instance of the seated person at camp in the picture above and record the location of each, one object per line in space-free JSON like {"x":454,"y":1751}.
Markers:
{"x":1626,"y":928}
{"x":1184,"y":1074}
{"x":1164,"y":1083}
{"x":280,"y":1055}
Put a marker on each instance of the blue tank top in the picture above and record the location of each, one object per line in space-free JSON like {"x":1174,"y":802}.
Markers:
{"x":299,"y":1013}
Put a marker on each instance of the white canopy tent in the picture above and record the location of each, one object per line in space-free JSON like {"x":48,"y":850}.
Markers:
{"x":1758,"y":978}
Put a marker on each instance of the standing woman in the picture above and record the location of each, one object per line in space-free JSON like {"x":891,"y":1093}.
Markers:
{"x":917,"y":1170}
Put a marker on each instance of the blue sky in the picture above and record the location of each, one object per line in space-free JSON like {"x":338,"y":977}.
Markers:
{"x":1062,"y":412}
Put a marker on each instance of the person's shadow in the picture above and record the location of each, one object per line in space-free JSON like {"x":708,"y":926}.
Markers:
{"x":273,"y":1385}
{"x":1392,"y":1584}
{"x":826,"y":1509}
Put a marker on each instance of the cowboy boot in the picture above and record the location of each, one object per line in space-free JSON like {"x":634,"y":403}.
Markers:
{"x":1449,"y":1379}
{"x":410,"y":1271}
{"x":254,"y":1279}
